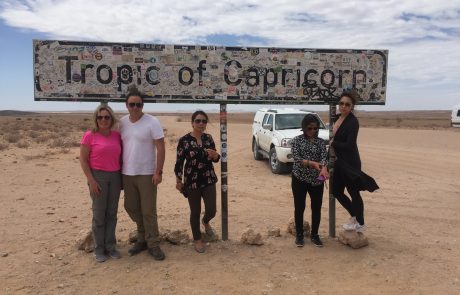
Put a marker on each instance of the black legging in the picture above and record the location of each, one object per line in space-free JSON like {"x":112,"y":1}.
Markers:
{"x":355,"y":206}
{"x":299,"y":191}
{"x":194,"y":200}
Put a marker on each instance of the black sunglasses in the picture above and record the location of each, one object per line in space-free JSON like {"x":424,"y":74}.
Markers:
{"x":137,"y":104}
{"x":103,"y":117}
{"x":198,"y":121}
{"x":312,"y":128}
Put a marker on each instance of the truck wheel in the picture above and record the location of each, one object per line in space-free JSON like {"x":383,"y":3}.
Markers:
{"x":276,"y":166}
{"x":255,"y":151}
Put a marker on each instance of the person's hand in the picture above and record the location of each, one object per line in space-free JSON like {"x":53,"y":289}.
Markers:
{"x":212,"y":154}
{"x":315,"y":165}
{"x":94,"y":187}
{"x":324,"y":173}
{"x":156,"y":179}
{"x":180,"y":186}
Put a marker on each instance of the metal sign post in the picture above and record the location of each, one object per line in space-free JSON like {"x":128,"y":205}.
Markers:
{"x":223,"y":170}
{"x":332,"y":114}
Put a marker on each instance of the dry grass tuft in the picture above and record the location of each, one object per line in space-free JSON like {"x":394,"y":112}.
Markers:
{"x":12,"y":137}
{"x":3,"y":146}
{"x":63,"y":143}
{"x":23,"y":144}
{"x":40,"y":156}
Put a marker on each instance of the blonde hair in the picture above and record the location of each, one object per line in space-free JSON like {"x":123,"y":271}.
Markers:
{"x":100,"y":108}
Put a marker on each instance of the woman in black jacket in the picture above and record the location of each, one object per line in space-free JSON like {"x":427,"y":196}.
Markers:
{"x":348,"y":172}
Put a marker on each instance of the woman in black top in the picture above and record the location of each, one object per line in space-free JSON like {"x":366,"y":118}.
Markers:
{"x":348,"y":172}
{"x":308,"y":175}
{"x":197,"y":179}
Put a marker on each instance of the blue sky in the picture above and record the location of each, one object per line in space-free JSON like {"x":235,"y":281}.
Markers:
{"x":423,"y":38}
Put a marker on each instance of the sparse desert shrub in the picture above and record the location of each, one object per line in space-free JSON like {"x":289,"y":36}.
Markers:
{"x":38,"y":127}
{"x":42,"y":139}
{"x":63,"y":143}
{"x":65,"y":151}
{"x":12,"y":137}
{"x":23,"y":144}
{"x":34,"y":134}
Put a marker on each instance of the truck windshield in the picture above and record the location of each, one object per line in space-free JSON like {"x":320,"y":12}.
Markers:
{"x":291,"y":121}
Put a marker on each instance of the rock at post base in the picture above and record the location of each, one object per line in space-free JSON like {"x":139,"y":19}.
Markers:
{"x":251,"y":238}
{"x":353,"y":239}
{"x":177,"y":237}
{"x":86,"y":242}
{"x":291,"y":228}
{"x":274,"y":232}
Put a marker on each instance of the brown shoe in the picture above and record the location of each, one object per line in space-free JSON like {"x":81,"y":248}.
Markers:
{"x":137,"y":248}
{"x":157,"y":253}
{"x":208,"y":229}
{"x":199,"y":247}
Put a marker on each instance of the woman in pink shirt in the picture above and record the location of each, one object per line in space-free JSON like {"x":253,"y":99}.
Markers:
{"x":100,"y":151}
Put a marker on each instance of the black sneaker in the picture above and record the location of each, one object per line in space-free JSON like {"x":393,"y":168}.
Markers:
{"x":316,"y":241}
{"x":137,"y":248}
{"x":157,"y":253}
{"x":299,"y":241}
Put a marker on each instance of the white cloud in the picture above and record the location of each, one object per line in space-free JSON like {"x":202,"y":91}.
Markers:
{"x":423,"y":36}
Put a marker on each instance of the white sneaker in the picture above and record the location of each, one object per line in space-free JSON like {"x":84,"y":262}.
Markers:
{"x":351,"y":225}
{"x":360,"y":228}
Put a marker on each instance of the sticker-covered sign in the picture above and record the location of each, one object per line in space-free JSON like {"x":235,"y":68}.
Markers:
{"x":96,"y":71}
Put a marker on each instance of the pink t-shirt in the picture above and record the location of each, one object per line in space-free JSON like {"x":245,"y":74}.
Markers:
{"x":104,"y":151}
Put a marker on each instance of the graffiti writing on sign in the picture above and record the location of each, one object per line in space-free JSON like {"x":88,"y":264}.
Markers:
{"x":67,"y":70}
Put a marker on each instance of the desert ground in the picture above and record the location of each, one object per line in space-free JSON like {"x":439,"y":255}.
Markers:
{"x":413,"y":219}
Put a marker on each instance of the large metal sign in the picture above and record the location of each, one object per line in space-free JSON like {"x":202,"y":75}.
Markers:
{"x":97,"y":71}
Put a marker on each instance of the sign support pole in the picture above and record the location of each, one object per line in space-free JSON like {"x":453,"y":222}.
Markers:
{"x":332,"y":114}
{"x":223,"y":171}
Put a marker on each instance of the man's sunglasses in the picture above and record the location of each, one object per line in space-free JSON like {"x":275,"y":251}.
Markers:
{"x":103,"y":117}
{"x":198,"y":121}
{"x":137,"y":104}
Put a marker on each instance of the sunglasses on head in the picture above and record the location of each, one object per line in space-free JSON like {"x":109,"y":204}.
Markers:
{"x":103,"y":117}
{"x":198,"y":121}
{"x":137,"y":104}
{"x":347,"y":104}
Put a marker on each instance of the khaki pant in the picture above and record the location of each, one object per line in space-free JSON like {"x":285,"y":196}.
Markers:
{"x":141,"y":206}
{"x":105,"y":208}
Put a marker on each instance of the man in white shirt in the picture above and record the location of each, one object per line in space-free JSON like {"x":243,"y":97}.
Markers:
{"x":143,"y":159}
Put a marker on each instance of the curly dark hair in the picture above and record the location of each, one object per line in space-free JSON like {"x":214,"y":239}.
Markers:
{"x":308,"y":119}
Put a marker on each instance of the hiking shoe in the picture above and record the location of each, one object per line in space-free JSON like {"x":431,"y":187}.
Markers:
{"x":299,"y":241}
{"x":316,"y":241}
{"x":156,"y":253}
{"x":137,"y":248}
{"x":115,"y":254}
{"x":199,"y":249}
{"x":100,"y":258}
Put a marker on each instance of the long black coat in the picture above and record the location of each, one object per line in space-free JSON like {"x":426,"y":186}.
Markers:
{"x":348,"y":164}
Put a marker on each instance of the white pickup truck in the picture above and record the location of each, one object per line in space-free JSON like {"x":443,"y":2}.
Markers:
{"x":272,"y":132}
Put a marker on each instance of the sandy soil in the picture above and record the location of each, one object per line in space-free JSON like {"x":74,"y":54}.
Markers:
{"x":413,"y":219}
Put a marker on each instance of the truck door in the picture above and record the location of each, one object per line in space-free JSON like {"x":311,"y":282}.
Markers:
{"x":266,"y":135}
